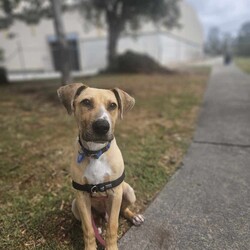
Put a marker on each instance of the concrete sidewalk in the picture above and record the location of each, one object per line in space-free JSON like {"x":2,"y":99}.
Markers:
{"x":206,"y":205}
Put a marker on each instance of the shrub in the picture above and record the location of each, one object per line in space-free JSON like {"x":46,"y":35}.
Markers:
{"x":131,"y":62}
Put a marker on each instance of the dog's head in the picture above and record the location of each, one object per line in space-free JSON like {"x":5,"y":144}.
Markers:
{"x":95,"y":110}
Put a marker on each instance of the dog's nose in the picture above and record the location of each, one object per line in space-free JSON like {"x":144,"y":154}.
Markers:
{"x":101,"y":127}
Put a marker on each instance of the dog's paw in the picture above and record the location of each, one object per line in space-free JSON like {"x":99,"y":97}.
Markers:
{"x":138,"y":219}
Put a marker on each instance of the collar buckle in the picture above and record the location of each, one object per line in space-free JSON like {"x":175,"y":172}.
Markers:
{"x":93,"y":189}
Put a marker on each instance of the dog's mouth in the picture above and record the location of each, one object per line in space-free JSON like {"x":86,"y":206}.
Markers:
{"x":97,"y":139}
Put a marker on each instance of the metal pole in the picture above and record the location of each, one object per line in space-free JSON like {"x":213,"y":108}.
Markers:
{"x":21,"y":56}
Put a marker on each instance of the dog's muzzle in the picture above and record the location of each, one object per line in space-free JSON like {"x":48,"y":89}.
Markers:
{"x":101,"y":127}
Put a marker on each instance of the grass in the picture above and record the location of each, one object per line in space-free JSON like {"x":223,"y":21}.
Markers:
{"x":36,"y":137}
{"x":243,"y":63}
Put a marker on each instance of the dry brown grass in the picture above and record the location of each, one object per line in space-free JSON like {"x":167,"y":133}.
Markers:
{"x":36,"y":139}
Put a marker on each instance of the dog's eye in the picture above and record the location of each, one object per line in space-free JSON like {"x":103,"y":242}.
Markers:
{"x":112,"y":106}
{"x":87,"y":103}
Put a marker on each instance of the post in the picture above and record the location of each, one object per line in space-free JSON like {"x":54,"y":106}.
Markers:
{"x":21,"y":55}
{"x":62,"y":41}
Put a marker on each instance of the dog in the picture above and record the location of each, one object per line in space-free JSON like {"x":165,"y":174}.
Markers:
{"x":97,"y":168}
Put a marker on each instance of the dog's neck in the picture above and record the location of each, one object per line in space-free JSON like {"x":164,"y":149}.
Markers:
{"x":93,"y":146}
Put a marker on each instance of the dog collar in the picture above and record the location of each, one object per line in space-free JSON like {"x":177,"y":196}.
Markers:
{"x":89,"y":153}
{"x":102,"y":187}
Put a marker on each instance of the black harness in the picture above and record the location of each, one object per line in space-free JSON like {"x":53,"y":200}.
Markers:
{"x":102,"y":187}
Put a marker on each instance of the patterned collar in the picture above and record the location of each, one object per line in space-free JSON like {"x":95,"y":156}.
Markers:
{"x":84,"y":152}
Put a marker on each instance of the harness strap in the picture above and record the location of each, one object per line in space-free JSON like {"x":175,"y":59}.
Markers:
{"x":102,"y":187}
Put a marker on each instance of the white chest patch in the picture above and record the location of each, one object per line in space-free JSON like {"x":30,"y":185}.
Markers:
{"x":97,"y":170}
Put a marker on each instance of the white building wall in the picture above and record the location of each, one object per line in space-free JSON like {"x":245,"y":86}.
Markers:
{"x":184,"y":43}
{"x":176,"y":50}
{"x":30,"y":50}
{"x":93,"y":54}
{"x":144,"y":43}
{"x":162,"y":46}
{"x":190,"y":26}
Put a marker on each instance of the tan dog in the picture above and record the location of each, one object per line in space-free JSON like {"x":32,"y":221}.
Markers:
{"x":98,"y":166}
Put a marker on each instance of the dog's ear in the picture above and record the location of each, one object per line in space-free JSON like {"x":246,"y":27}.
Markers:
{"x":125,"y":101}
{"x":68,"y":93}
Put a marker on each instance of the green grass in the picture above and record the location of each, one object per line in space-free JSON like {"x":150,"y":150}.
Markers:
{"x":36,"y":138}
{"x":243,"y":63}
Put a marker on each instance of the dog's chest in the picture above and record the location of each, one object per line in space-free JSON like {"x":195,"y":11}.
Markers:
{"x":97,"y":170}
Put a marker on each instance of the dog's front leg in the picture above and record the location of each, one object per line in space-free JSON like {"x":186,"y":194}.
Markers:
{"x":83,"y":203}
{"x":114,"y":205}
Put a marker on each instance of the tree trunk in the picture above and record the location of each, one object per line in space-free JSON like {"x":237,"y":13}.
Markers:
{"x":62,"y":41}
{"x":113,"y":36}
{"x":114,"y":31}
